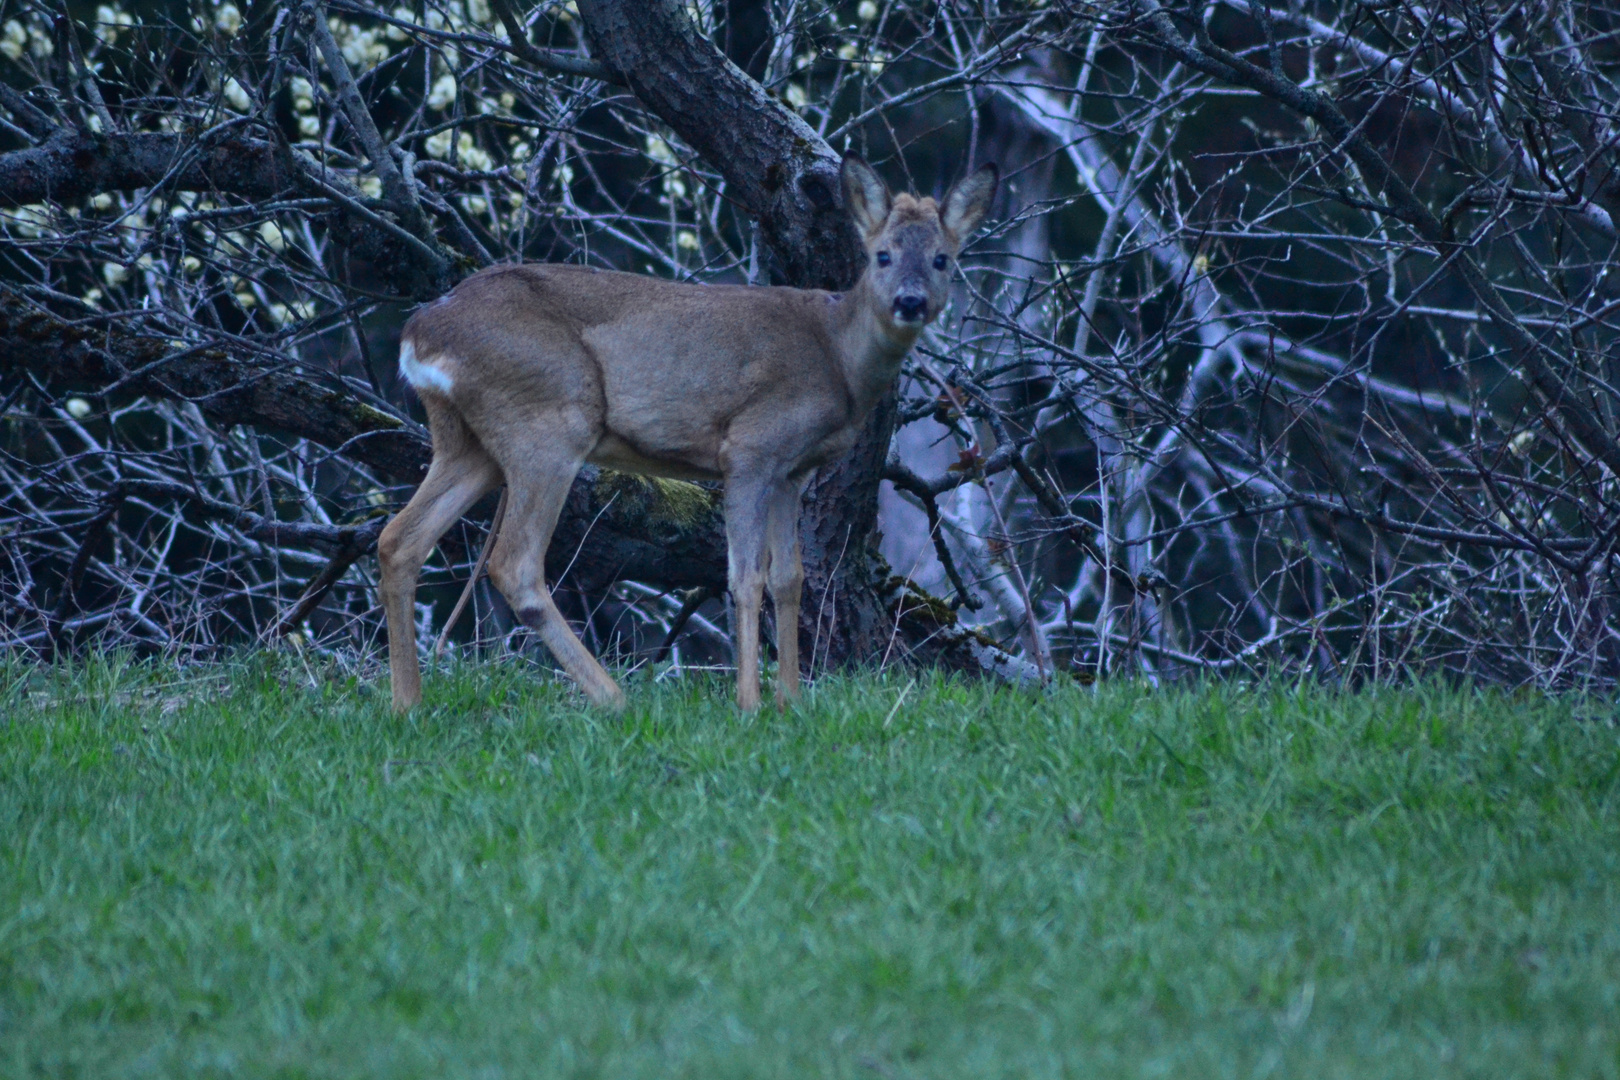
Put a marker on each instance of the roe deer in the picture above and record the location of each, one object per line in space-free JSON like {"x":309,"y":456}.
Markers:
{"x":527,"y":372}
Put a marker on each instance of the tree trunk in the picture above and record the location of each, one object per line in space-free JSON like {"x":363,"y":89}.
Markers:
{"x":787,"y":178}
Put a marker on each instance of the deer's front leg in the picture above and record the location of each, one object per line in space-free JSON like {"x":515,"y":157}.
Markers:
{"x":785,"y":576}
{"x":746,"y":515}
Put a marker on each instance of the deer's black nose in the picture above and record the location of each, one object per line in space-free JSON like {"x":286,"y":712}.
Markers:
{"x":910,"y":307}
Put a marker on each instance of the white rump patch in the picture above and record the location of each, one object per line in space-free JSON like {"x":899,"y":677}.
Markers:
{"x":422,"y":375}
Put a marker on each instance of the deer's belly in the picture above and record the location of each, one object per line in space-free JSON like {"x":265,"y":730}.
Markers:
{"x":614,"y":452}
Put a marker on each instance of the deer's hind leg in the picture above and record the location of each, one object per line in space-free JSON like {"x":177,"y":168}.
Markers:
{"x":538,"y":479}
{"x":461,"y":473}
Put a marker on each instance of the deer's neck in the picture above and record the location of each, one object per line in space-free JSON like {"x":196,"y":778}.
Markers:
{"x":869,"y":347}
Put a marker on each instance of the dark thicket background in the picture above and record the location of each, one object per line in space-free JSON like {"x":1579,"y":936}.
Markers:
{"x":1292,"y":342}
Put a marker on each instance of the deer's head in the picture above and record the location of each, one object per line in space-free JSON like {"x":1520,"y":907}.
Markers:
{"x":912,"y":243}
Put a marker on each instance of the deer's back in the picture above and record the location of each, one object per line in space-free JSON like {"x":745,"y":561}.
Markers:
{"x":670,"y":372}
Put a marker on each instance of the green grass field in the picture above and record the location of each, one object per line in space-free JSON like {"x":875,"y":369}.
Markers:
{"x":255,"y":870}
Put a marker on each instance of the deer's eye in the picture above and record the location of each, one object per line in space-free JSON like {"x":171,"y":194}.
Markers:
{"x":939,"y":262}
{"x":883,"y":258}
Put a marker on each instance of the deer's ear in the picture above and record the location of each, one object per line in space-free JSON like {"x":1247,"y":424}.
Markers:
{"x":966,"y":203}
{"x":866,"y":195}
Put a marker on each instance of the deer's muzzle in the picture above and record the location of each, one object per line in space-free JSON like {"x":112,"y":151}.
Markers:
{"x":909,"y":308}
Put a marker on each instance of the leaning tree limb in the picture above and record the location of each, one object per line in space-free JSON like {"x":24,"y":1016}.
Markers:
{"x":779,"y":170}
{"x":74,"y":164}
